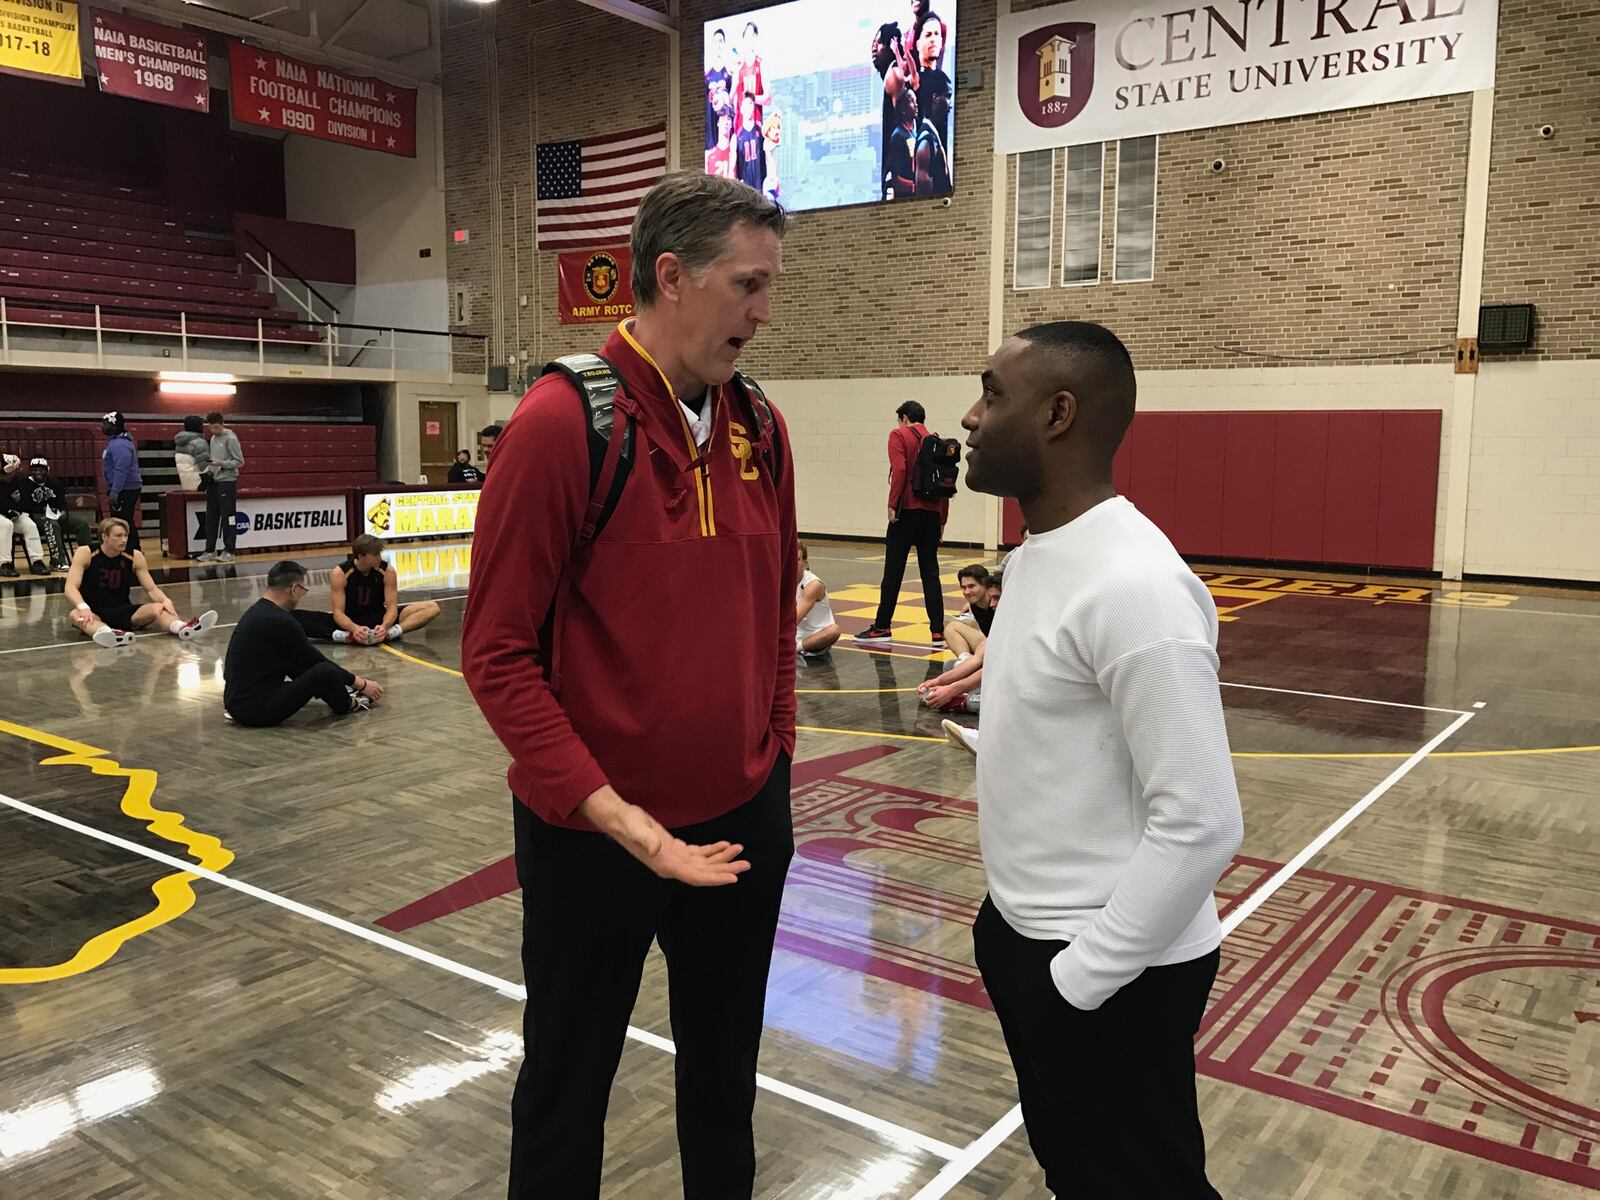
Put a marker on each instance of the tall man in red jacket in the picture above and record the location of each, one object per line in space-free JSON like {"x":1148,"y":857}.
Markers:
{"x":650,"y":728}
{"x":913,"y":521}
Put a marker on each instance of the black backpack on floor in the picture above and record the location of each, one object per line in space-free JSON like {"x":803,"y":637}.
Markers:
{"x":611,"y":440}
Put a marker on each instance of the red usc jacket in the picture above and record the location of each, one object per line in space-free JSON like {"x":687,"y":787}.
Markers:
{"x":904,"y":442}
{"x":672,"y":639}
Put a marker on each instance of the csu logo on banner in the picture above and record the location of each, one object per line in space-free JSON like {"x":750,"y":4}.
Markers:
{"x":1055,"y":72}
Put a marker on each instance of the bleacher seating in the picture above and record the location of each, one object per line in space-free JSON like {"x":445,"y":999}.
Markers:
{"x":70,"y":242}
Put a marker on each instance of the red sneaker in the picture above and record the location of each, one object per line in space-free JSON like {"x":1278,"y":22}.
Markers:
{"x":874,"y":634}
{"x":938,"y":641}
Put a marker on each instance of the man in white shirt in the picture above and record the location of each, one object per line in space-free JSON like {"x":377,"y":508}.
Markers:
{"x":1107,"y":807}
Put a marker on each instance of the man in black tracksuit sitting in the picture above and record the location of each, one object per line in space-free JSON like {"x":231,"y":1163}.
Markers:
{"x":272,"y":671}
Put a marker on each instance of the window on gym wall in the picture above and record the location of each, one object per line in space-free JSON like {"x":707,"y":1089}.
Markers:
{"x":1136,"y":210}
{"x":1081,"y":224}
{"x":1036,"y":197}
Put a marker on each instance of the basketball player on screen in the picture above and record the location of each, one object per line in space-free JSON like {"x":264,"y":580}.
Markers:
{"x":750,"y":81}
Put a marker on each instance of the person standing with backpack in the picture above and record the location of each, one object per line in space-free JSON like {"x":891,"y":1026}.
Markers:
{"x":922,"y":478}
{"x":650,"y":727}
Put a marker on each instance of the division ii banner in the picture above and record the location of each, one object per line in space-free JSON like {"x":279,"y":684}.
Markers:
{"x":595,"y":285}
{"x":280,"y":92}
{"x":1100,"y":70}
{"x":151,"y":62}
{"x":39,"y":39}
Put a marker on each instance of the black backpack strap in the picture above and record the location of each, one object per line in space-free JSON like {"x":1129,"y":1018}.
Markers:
{"x":610,"y":439}
{"x":759,"y":411}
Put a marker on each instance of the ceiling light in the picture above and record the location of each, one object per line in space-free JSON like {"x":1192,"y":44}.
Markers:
{"x":169,"y":388}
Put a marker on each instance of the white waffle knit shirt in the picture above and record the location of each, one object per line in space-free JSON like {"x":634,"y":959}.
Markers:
{"x":1107,"y":807}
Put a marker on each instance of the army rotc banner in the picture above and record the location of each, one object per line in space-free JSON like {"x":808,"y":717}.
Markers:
{"x":595,"y":285}
{"x":1100,"y":70}
{"x":39,"y":39}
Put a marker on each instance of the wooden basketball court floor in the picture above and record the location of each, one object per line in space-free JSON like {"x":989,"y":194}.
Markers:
{"x":284,"y":963}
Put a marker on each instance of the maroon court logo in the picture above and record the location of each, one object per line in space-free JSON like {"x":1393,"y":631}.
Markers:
{"x":1055,"y":72}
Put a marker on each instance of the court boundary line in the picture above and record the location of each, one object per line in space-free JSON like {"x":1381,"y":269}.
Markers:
{"x":957,"y":1169}
{"x":880,"y":1126}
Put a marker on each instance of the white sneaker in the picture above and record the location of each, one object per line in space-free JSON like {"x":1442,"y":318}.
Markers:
{"x":207,"y":556}
{"x":109,"y":637}
{"x":359,"y":701}
{"x":960,"y":735}
{"x":195,"y":626}
{"x":225,"y":557}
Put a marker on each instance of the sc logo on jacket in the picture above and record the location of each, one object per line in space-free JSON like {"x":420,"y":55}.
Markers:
{"x":739,"y":436}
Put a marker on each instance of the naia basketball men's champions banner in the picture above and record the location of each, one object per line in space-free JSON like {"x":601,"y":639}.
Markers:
{"x":1100,"y":70}
{"x":822,"y":103}
{"x":595,"y":285}
{"x":152,"y":62}
{"x":280,"y":92}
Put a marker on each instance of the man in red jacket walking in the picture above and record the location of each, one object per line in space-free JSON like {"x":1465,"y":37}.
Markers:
{"x":650,"y":727}
{"x":913,"y":521}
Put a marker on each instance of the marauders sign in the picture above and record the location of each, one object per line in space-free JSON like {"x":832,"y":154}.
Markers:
{"x":595,"y":285}
{"x":1100,"y":70}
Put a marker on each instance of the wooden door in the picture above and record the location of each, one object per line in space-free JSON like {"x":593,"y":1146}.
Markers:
{"x":436,"y":434}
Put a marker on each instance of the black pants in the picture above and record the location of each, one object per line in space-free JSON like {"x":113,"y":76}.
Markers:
{"x":126,"y":505}
{"x":221,"y":500}
{"x":589,"y":913}
{"x":324,"y":681}
{"x":920,"y":528}
{"x":1108,"y":1096}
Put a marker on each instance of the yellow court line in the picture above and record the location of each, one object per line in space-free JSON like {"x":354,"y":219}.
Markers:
{"x":174,"y":893}
{"x":422,"y":662}
{"x":868,"y":733}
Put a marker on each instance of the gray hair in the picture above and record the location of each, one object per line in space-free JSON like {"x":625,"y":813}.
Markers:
{"x":690,"y":214}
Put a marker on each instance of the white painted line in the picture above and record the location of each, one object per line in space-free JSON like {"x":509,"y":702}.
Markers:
{"x":1479,"y":704}
{"x":1252,"y":687}
{"x":1284,"y":873}
{"x":514,"y":991}
{"x":83,"y":641}
{"x":959,"y":1168}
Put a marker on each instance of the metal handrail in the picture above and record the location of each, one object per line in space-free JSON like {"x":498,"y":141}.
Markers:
{"x":298,"y":278}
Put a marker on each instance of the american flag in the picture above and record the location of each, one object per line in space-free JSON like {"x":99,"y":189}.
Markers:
{"x":589,"y":190}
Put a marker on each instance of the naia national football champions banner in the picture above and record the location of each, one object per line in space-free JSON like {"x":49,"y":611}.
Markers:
{"x":595,"y":285}
{"x":1100,"y":70}
{"x":280,"y":92}
{"x":151,"y":62}
{"x":39,"y":39}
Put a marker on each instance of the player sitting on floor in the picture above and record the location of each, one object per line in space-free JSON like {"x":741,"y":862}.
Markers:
{"x":98,"y":583}
{"x":958,"y":689}
{"x":364,"y":594}
{"x":814,"y":630}
{"x":971,"y":628}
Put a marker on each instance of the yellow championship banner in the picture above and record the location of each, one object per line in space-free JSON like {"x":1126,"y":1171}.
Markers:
{"x":39,"y":38}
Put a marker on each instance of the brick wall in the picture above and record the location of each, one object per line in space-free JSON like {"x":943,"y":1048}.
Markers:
{"x":1335,"y":236}
{"x":1544,"y":195}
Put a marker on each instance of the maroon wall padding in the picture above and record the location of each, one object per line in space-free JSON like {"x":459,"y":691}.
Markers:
{"x":1355,"y":468}
{"x":1155,"y":469}
{"x":1247,"y":482}
{"x":1201,"y":482}
{"x":1299,"y":486}
{"x":1337,"y":487}
{"x":319,"y":253}
{"x":1409,"y":490}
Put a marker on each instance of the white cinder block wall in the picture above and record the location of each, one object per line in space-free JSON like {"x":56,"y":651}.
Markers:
{"x":1533,"y":506}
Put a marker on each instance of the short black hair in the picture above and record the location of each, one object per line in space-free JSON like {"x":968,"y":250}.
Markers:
{"x":977,"y":572}
{"x":285,"y":574}
{"x":913,"y":412}
{"x":214,"y":418}
{"x":193,"y":424}
{"x":1094,"y":365}
{"x":493,"y":431}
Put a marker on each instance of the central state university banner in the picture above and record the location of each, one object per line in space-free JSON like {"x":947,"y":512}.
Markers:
{"x":280,"y":92}
{"x":39,"y":39}
{"x":1101,"y":70}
